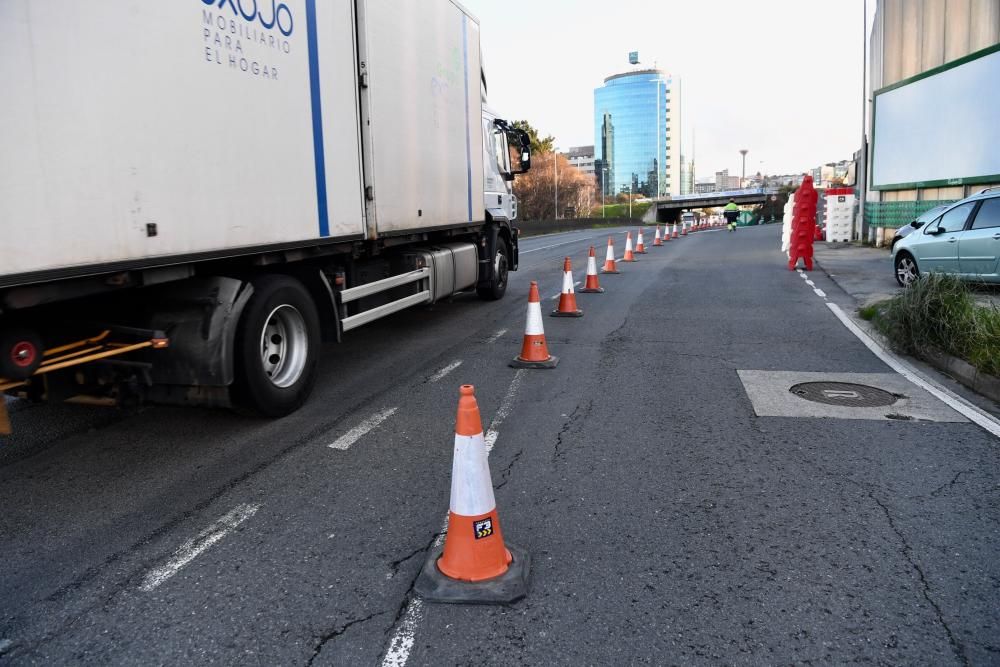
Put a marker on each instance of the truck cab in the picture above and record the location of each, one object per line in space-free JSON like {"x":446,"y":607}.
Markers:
{"x":506,"y":153}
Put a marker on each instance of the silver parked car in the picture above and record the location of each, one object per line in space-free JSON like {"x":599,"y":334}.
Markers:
{"x":963,"y":240}
{"x":922,"y":219}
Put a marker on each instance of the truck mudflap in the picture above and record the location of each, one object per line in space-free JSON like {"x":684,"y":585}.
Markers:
{"x":111,"y":342}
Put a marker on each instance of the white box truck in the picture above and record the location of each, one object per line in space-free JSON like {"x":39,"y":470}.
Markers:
{"x":195,"y":193}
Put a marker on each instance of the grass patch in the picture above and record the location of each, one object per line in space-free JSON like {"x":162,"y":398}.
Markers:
{"x":938,"y":313}
{"x":621,"y":210}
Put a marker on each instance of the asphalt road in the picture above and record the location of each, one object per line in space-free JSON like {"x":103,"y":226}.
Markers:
{"x":668,"y":524}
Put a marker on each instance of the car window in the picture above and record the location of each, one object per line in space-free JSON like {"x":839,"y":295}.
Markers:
{"x":927,"y":216}
{"x":989,"y":214}
{"x":953,"y":220}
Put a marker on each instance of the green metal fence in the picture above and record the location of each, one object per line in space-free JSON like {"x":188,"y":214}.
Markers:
{"x":895,"y":214}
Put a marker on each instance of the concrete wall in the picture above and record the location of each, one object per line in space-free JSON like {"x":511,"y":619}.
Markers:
{"x":913,"y":36}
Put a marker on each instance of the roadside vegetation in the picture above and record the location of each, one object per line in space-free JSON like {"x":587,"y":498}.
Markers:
{"x":939,"y":313}
{"x":621,"y":210}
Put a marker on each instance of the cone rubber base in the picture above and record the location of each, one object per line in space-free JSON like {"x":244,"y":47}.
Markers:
{"x":432,"y":585}
{"x":518,"y":362}
{"x":640,"y":252}
{"x":571,"y":313}
{"x":611,"y":272}
{"x":587,"y":290}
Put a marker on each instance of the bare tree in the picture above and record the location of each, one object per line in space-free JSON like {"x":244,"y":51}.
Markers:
{"x":536,"y":190}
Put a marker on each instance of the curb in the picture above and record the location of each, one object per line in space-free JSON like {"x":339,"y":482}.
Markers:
{"x":965,"y":373}
{"x":961,"y":371}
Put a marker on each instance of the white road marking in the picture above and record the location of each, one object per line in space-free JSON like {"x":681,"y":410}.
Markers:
{"x":402,"y":640}
{"x":505,"y":406}
{"x":819,"y":292}
{"x":495,"y":337}
{"x":556,"y":245}
{"x":198,"y":545}
{"x":810,"y":283}
{"x":405,"y":635}
{"x":444,"y":371}
{"x":955,"y":402}
{"x":359,"y":431}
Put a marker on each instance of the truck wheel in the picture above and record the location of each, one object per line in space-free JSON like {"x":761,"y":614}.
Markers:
{"x":276,"y":348}
{"x":20,"y":353}
{"x":497,"y":286}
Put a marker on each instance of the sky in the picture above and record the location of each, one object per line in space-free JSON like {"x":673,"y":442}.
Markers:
{"x":781,"y":78}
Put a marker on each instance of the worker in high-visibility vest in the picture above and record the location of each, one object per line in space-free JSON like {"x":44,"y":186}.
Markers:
{"x":731,"y":213}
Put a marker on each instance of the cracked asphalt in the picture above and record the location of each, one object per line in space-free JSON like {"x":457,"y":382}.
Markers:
{"x":666,"y":522}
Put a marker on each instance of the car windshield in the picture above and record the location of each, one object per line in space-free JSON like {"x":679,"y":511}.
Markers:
{"x":929,"y":215}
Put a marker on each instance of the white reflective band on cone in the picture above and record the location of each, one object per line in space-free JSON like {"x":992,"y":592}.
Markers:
{"x":471,"y":484}
{"x":534,"y":324}
{"x":628,"y":243}
{"x":611,"y":254}
{"x":591,"y":266}
{"x":567,"y":282}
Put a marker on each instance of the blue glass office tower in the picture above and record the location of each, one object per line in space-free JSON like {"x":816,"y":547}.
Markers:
{"x":637,"y":134}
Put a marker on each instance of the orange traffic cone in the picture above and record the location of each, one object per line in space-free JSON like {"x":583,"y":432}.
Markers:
{"x":656,"y":239}
{"x":593,"y":285}
{"x":609,"y":259}
{"x":629,"y":257}
{"x":684,"y":229}
{"x":640,"y":248}
{"x":534,"y":350}
{"x":567,"y":298}
{"x":674,"y":235}
{"x":475,"y":565}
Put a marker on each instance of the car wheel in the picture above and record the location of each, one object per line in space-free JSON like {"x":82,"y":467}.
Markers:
{"x":497,"y":286}
{"x":276,"y":348}
{"x":906,"y":269}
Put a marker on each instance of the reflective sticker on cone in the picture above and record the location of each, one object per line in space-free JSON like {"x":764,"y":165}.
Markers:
{"x":483,"y":527}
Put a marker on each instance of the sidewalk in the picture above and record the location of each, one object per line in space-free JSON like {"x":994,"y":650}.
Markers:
{"x":866,"y":273}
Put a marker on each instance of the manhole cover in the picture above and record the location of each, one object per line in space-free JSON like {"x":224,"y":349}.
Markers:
{"x":844,"y":393}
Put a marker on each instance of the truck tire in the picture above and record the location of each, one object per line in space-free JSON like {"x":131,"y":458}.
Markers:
{"x":20,"y":353}
{"x":276,"y":348}
{"x":497,"y":287}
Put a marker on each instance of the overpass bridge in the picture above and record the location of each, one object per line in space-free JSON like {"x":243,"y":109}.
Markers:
{"x":669,"y":209}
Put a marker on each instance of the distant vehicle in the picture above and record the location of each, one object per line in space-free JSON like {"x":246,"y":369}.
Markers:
{"x":963,"y":240}
{"x":192,"y":223}
{"x":921,"y":220}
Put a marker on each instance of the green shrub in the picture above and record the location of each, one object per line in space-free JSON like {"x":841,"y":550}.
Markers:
{"x":621,"y":210}
{"x":938,"y":312}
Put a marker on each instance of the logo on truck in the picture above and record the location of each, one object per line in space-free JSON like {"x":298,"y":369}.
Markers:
{"x":247,"y":35}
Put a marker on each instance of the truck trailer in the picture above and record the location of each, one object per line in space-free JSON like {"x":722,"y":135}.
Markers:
{"x":195,"y":193}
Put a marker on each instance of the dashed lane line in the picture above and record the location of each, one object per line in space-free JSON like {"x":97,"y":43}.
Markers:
{"x":444,"y":371}
{"x":345,"y":441}
{"x":496,"y":336}
{"x":198,"y":545}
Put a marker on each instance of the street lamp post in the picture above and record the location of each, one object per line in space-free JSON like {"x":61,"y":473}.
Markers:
{"x":555,"y":177}
{"x":604,"y":186}
{"x":743,"y":152}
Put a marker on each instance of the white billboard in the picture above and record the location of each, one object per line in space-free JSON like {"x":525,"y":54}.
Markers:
{"x":941,"y":127}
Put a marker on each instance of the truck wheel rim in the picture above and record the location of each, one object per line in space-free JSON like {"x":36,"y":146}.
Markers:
{"x":500,"y":269}
{"x":284,"y":346}
{"x":906,"y":270}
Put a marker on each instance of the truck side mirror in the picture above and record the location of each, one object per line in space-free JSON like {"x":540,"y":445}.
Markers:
{"x":520,"y":143}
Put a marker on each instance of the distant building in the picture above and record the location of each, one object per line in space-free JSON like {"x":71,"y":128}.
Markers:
{"x":703,"y":186}
{"x":723,"y":181}
{"x":637,"y":133}
{"x":581,"y":157}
